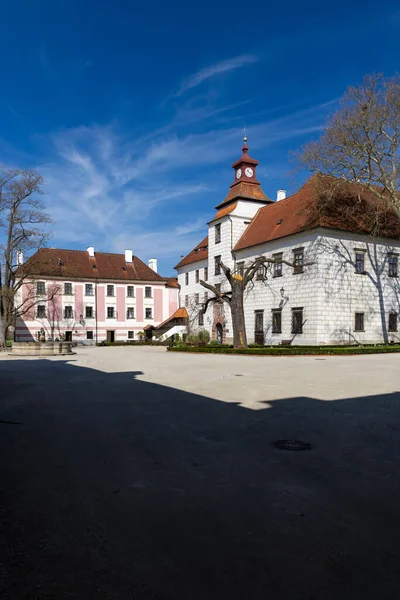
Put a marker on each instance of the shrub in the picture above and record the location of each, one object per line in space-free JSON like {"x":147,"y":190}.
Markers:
{"x":293,"y":350}
{"x":203,"y":336}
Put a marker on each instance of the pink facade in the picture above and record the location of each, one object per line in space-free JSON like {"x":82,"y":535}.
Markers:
{"x":139,"y":304}
{"x":78,"y":301}
{"x":79,"y":317}
{"x":158,"y":305}
{"x":173,"y":301}
{"x":101,"y":307}
{"x":121,"y":304}
{"x":27,"y":299}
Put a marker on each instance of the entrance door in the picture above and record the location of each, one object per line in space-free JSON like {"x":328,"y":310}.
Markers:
{"x":220,"y":332}
{"x":111,"y":336}
{"x":259,"y":326}
{"x":68,"y":336}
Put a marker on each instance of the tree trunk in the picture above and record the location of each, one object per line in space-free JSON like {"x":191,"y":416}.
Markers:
{"x":382,"y":311}
{"x":237,"y":311}
{"x":3,"y":333}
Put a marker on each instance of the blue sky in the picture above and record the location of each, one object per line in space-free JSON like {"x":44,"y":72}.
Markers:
{"x":134,"y":112}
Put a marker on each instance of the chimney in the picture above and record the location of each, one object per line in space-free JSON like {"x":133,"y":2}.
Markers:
{"x":153,"y":264}
{"x":20,"y":258}
{"x":281,"y":195}
{"x":90,"y":251}
{"x":128,"y":256}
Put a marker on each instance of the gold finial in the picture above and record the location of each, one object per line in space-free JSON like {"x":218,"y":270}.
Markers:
{"x":245,"y":135}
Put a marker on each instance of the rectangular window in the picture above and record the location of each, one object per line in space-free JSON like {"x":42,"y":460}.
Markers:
{"x":147,"y":292}
{"x":186,"y":278}
{"x":41,"y":311}
{"x":149,"y":314}
{"x":205,"y":273}
{"x":68,"y":313}
{"x":260,"y":275}
{"x":40,"y":287}
{"x":297,"y":320}
{"x":359,"y":321}
{"x":130,"y":291}
{"x":130,"y":312}
{"x":298,"y":261}
{"x":89,"y":335}
{"x":197,"y":275}
{"x":217,"y":265}
{"x":360,"y":262}
{"x":276,"y":320}
{"x":186,"y":301}
{"x":110,"y":290}
{"x":393,"y":265}
{"x":130,"y":335}
{"x":205,"y":296}
{"x":218,"y":233}
{"x":89,"y":312}
{"x":277,"y":269}
{"x":392,"y":321}
{"x":218,"y":287}
{"x":197,"y":298}
{"x":240,"y":268}
{"x":89,"y":289}
{"x":67,"y":289}
{"x":201,"y":318}
{"x":110,"y":312}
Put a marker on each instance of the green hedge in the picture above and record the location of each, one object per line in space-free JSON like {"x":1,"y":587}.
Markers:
{"x":293,"y":350}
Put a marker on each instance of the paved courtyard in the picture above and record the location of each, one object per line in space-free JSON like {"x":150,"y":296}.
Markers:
{"x":133,"y":473}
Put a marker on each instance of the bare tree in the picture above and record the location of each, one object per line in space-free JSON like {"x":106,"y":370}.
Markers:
{"x":361,"y":144}
{"x":358,"y":156}
{"x":239,"y":281}
{"x":23,"y":220}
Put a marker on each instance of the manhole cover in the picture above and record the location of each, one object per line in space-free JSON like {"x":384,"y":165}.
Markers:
{"x":292,"y":445}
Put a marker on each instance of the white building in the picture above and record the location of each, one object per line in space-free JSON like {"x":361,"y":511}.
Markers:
{"x":344,"y":287}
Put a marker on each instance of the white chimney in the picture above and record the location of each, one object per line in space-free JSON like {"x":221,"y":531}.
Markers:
{"x":20,"y":258}
{"x":153,"y":264}
{"x":128,"y":256}
{"x":90,"y":251}
{"x":281,"y":195}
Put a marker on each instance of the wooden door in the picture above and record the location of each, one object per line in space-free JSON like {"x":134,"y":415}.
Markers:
{"x":259,"y":327}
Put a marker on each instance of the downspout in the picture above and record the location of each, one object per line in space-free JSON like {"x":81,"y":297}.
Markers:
{"x":95,"y":302}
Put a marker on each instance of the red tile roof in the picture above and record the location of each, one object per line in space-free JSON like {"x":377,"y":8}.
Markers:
{"x":78,"y":263}
{"x":181,"y":313}
{"x":224,"y":211}
{"x":308,"y":209}
{"x":200,"y":252}
{"x":244,"y":191}
{"x":172,"y":282}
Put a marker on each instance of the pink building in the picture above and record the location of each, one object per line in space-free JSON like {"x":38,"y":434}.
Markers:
{"x":88,"y":296}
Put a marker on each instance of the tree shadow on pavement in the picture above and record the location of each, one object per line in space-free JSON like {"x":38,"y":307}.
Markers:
{"x":115,"y":488}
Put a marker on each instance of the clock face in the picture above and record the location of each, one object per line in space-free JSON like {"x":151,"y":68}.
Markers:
{"x":249,"y":172}
{"x":238,"y":173}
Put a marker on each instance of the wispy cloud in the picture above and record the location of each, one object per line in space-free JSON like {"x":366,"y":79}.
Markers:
{"x":223,"y":66}
{"x":154,"y":193}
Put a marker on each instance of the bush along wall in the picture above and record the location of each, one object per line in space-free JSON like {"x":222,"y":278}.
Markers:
{"x":289,"y":351}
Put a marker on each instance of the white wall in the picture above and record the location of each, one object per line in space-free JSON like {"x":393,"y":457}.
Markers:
{"x":329,"y":290}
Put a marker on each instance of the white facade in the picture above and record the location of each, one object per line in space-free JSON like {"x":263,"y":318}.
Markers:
{"x":336,"y":304}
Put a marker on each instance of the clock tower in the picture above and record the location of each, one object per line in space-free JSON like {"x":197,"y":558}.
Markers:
{"x":245,"y":167}
{"x":245,"y":185}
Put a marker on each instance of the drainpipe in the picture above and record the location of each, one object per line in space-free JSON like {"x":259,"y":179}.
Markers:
{"x":95,"y":303}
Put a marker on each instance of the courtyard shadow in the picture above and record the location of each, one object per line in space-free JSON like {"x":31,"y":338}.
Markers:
{"x":115,"y":488}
